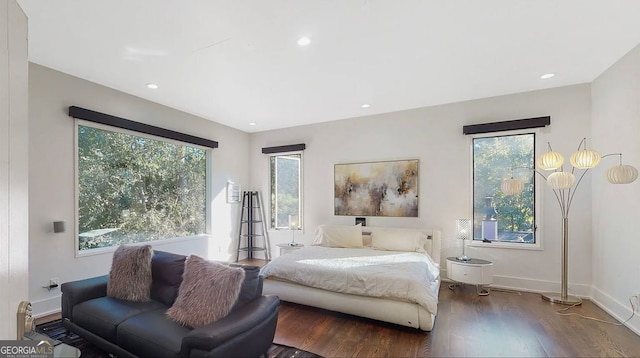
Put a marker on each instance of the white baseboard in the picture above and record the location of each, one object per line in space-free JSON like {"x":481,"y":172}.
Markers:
{"x":46,"y":307}
{"x":621,"y":311}
{"x":533,"y":285}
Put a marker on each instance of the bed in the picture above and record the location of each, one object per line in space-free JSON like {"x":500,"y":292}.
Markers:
{"x":386,"y":274}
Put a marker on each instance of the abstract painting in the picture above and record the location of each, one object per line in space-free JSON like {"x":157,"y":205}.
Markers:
{"x":388,"y":188}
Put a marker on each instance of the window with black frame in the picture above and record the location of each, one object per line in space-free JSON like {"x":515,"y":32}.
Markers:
{"x":286,"y":190}
{"x":498,"y":217}
{"x":137,"y":188}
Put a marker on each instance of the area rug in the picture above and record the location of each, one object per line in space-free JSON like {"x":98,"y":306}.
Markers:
{"x":55,"y":330}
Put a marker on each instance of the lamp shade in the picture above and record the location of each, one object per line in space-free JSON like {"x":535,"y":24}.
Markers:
{"x":294,"y":222}
{"x":585,"y":159}
{"x":512,"y":186}
{"x":550,"y":160}
{"x":622,"y":174}
{"x":463,"y":229}
{"x":561,"y":180}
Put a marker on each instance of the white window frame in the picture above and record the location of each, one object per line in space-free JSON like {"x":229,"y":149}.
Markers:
{"x":538,"y":197}
{"x":300,"y":192}
{"x":102,"y":250}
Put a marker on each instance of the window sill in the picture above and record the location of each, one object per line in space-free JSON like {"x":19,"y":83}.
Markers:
{"x":506,"y":245}
{"x":111,"y":249}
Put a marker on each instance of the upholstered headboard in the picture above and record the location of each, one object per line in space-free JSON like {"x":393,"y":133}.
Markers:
{"x":433,"y":245}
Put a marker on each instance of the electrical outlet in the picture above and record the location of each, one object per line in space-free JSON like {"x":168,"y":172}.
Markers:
{"x":635,"y":302}
{"x":53,"y":282}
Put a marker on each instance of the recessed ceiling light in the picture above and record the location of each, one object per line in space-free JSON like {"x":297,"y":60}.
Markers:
{"x":252,"y":124}
{"x":547,"y":75}
{"x":152,"y":85}
{"x":304,"y":41}
{"x":365,"y":105}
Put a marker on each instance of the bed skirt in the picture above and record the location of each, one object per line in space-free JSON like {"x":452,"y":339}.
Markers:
{"x":386,"y":310}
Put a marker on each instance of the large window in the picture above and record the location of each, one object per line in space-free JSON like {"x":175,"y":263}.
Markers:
{"x":286,"y":193}
{"x":498,"y":217}
{"x":136,"y":189}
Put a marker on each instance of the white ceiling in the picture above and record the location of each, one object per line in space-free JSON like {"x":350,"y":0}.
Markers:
{"x":237,"y":61}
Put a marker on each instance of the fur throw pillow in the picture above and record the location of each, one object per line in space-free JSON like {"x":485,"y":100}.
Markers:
{"x":130,"y":276}
{"x":207,"y":293}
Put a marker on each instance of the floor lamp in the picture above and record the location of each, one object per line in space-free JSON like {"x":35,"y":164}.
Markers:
{"x":562,"y":183}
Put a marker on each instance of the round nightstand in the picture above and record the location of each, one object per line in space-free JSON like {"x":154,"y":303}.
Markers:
{"x":285,"y":248}
{"x":475,"y":272}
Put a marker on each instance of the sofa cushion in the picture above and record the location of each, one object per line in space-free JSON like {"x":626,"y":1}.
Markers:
{"x":207,"y":293}
{"x":103,"y":315}
{"x":130,"y":276}
{"x":250,"y":285}
{"x":166,"y":269}
{"x":151,"y":334}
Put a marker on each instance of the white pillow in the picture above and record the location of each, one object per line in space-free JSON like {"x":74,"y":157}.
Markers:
{"x":338,"y":236}
{"x":394,"y":239}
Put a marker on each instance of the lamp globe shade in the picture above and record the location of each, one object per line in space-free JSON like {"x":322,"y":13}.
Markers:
{"x":512,"y":186}
{"x":585,"y":159}
{"x":550,"y":160}
{"x":622,"y":174}
{"x":561,"y":180}
{"x":463,"y":229}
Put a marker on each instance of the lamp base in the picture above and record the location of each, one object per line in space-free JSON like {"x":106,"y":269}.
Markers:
{"x":293,"y":243}
{"x":463,"y":258}
{"x":556,"y":297}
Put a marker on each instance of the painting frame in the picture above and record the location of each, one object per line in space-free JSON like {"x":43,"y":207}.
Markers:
{"x":377,"y":188}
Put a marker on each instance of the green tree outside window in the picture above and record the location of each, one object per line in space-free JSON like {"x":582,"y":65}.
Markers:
{"x":496,"y":158}
{"x":136,"y":189}
{"x":285,"y":188}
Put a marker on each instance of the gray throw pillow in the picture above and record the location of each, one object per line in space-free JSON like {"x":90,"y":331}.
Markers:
{"x":250,"y":289}
{"x":167,"y":269}
{"x":130,"y":276}
{"x":207,"y":293}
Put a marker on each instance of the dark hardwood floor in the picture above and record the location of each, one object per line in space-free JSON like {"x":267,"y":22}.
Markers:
{"x":503,"y":324}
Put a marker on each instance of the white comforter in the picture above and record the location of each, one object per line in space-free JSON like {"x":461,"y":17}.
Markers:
{"x":397,"y":275}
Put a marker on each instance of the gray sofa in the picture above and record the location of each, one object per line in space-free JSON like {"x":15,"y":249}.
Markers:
{"x":141,"y":329}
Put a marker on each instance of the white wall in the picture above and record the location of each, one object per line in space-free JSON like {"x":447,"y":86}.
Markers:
{"x":51,"y":177}
{"x":14,"y":139}
{"x":616,"y":208}
{"x":434,"y":136}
